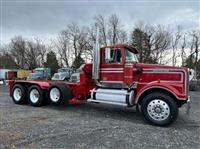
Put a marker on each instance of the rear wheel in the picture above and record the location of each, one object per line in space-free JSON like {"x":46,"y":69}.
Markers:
{"x":19,"y":94}
{"x":59,"y":93}
{"x":159,"y":109}
{"x":55,"y":94}
{"x":35,"y":96}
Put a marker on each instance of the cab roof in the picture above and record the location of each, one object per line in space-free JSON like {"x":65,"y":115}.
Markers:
{"x":130,"y":47}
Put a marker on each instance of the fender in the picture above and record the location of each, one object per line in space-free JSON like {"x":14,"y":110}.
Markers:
{"x":163,"y":86}
{"x":41,"y":84}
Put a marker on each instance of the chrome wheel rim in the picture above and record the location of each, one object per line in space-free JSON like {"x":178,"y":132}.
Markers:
{"x":34,"y":95}
{"x":17,"y":94}
{"x":54,"y":94}
{"x":158,"y":110}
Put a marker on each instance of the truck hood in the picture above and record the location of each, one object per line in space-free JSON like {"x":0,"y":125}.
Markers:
{"x":60,"y":76}
{"x":156,"y":66}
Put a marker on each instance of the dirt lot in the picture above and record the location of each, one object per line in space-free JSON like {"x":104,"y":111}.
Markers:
{"x":93,"y":126}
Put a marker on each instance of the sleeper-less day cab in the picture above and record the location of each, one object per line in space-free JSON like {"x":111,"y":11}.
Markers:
{"x":115,"y":77}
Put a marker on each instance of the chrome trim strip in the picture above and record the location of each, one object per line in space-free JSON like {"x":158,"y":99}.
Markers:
{"x":161,"y":81}
{"x":112,"y":71}
{"x":111,"y":81}
{"x":107,"y":102}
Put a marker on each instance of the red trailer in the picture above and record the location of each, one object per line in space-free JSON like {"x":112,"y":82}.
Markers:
{"x":115,"y":77}
{"x":11,"y":75}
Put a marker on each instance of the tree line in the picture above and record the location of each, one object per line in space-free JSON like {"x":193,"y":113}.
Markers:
{"x":74,"y":45}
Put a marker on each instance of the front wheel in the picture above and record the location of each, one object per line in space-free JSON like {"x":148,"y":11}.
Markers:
{"x":159,"y":109}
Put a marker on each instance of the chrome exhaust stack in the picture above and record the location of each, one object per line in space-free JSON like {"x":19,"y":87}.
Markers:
{"x":96,"y":57}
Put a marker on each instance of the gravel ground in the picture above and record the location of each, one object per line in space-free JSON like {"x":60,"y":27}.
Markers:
{"x":93,"y":126}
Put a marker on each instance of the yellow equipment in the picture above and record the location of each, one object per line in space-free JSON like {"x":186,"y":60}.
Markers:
{"x":21,"y":74}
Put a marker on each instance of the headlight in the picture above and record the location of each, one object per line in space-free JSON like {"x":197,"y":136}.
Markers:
{"x":75,"y":77}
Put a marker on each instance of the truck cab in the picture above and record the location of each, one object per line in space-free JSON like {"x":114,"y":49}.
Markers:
{"x":116,"y":63}
{"x":119,"y":68}
{"x":122,"y":80}
{"x":39,"y":74}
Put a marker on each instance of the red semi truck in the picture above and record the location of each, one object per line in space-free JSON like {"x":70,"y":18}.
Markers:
{"x":115,"y":77}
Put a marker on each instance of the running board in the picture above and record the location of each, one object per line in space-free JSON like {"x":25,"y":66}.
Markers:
{"x":107,"y":102}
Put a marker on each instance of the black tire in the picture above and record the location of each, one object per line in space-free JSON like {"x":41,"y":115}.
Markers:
{"x":64,"y":91}
{"x":168,"y":112}
{"x":38,"y":102}
{"x":21,"y":88}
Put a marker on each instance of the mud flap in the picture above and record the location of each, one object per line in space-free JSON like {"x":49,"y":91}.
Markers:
{"x":188,"y":105}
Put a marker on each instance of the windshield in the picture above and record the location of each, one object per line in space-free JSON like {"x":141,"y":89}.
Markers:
{"x":130,"y":56}
{"x":35,"y":75}
{"x":63,"y":70}
{"x":38,"y":71}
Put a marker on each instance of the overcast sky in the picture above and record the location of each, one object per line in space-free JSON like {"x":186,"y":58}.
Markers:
{"x":45,"y":18}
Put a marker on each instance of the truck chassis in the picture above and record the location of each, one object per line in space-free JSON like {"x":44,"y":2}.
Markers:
{"x":157,"y":90}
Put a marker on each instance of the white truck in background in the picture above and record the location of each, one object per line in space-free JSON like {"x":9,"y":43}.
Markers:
{"x":3,"y":76}
{"x":63,"y":74}
{"x":192,"y":80}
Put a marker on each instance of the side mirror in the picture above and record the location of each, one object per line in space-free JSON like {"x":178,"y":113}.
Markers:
{"x":107,"y":54}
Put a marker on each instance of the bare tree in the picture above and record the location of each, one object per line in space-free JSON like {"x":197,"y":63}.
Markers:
{"x":196,"y":42}
{"x":35,"y":53}
{"x":152,"y":41}
{"x":111,"y":31}
{"x":31,"y":55}
{"x":159,"y":37}
{"x":91,"y":40}
{"x":43,"y":49}
{"x":27,"y":54}
{"x":183,"y":46}
{"x":114,"y":26}
{"x":175,"y":43}
{"x":84,"y":43}
{"x":6,"y":59}
{"x":62,"y":46}
{"x":74,"y":35}
{"x":101,"y":22}
{"x":74,"y":42}
{"x":193,"y":42}
{"x":18,"y":51}
{"x":68,"y":43}
{"x":122,"y":37}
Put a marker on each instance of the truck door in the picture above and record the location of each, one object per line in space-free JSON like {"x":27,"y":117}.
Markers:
{"x":112,"y":65}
